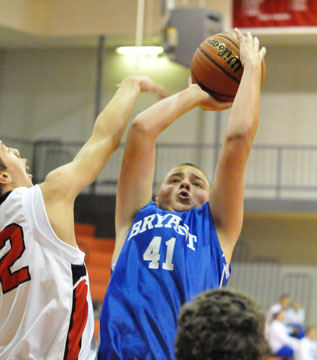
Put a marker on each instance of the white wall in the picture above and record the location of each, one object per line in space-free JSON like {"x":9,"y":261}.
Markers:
{"x":51,"y":93}
{"x":47,"y":94}
{"x":289,"y":96}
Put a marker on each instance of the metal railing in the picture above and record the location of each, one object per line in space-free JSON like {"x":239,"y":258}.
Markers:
{"x":266,"y":281}
{"x":273,"y":171}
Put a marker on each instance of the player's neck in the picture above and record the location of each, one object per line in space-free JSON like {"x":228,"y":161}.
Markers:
{"x":8,"y":188}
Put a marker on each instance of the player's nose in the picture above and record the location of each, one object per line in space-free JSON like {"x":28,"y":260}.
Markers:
{"x":185,"y":185}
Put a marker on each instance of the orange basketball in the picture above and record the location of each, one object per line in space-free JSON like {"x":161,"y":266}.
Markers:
{"x":216,"y":66}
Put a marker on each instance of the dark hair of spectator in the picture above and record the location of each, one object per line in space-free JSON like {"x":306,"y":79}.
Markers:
{"x":221,"y":325}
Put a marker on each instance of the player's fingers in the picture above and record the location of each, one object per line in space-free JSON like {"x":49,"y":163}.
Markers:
{"x":147,"y":84}
{"x":256,"y":43}
{"x":249,"y":39}
{"x":163,"y":93}
{"x":262,"y":53}
{"x":239,"y":34}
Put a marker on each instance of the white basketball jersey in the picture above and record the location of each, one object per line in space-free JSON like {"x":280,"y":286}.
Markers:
{"x":45,"y":304}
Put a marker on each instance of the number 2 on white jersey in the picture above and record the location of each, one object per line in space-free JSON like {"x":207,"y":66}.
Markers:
{"x":152,"y":253}
{"x":13,"y":235}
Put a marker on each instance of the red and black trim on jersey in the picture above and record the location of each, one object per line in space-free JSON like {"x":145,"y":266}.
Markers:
{"x":79,"y":313}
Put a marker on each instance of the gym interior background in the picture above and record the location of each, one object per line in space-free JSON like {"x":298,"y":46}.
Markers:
{"x":58,"y":67}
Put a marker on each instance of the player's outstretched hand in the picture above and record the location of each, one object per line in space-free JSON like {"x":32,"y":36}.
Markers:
{"x":147,"y":84}
{"x":206,"y":101}
{"x":250,"y":48}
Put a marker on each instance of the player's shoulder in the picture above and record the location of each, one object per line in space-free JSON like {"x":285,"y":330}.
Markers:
{"x":19,"y":192}
{"x":149,"y":207}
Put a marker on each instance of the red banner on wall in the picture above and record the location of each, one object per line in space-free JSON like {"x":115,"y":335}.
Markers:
{"x":271,"y":13}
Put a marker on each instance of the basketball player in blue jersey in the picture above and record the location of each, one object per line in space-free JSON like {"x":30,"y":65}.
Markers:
{"x":169,"y":250}
{"x":45,"y":304}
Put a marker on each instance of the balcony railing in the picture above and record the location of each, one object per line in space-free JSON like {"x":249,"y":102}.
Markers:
{"x":273,"y":171}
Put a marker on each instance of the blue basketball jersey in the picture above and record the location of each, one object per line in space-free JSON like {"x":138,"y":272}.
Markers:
{"x":167,"y":259}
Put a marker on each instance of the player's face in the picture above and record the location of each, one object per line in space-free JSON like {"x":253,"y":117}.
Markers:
{"x":184,"y":187}
{"x":285,"y":302}
{"x":16,"y":172}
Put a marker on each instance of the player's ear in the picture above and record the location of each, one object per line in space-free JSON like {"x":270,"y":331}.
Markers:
{"x":5,"y":178}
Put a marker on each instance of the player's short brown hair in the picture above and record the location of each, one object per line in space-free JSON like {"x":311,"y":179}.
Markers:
{"x":194,"y":166}
{"x":221,"y":324}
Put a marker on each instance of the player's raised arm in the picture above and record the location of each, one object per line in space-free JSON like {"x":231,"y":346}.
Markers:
{"x":63,"y":184}
{"x":104,"y":140}
{"x":137,"y":171}
{"x":227,"y":193}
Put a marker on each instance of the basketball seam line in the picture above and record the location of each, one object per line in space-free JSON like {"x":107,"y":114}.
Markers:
{"x":232,"y":42}
{"x":215,"y":93}
{"x":214,"y":62}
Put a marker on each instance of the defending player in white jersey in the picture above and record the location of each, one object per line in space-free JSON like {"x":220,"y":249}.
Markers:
{"x":45,"y":304}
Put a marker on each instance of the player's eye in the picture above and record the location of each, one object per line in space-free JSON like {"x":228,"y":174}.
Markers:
{"x":175,"y":180}
{"x":197,"y":184}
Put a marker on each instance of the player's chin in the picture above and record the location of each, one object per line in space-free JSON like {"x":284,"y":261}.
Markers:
{"x":181,"y":207}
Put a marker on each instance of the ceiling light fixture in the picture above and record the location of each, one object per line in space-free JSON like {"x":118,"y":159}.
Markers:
{"x":140,"y":50}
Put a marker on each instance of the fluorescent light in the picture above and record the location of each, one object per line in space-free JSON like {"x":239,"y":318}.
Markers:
{"x":140,"y":50}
